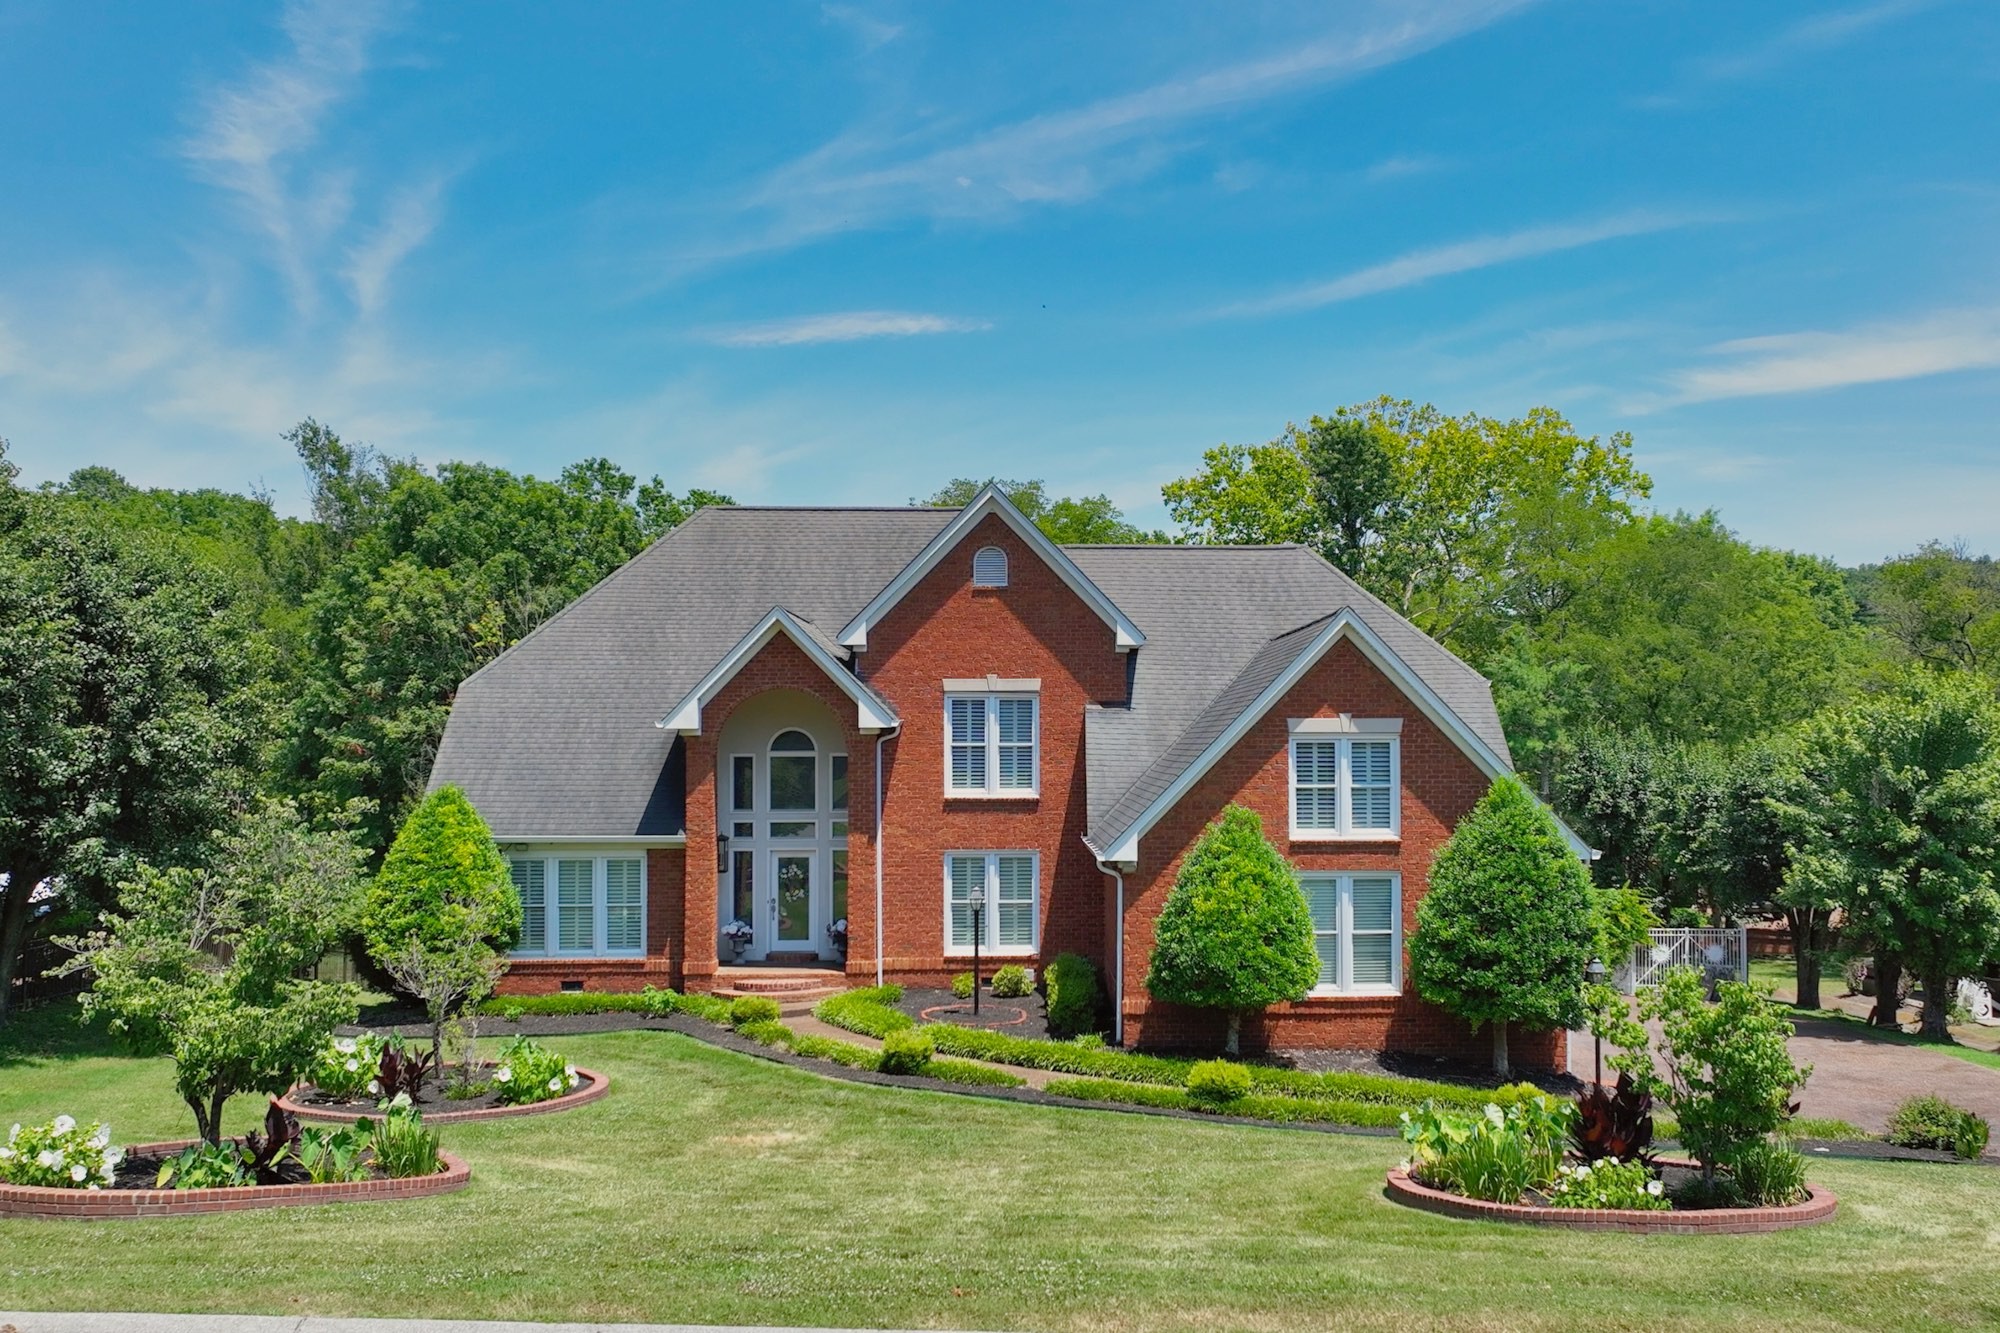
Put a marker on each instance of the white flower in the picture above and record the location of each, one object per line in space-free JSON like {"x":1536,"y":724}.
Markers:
{"x":93,"y":1185}
{"x":64,"y":1124}
{"x":13,"y":1133}
{"x":353,"y":1066}
{"x":102,"y":1138}
{"x":345,"y":1045}
{"x":1583,"y":1169}
{"x":569,"y":1071}
{"x":79,"y":1173}
{"x":49,"y":1158}
{"x":503,"y":1075}
{"x":1653,"y":1188}
{"x":573,"y":1079}
{"x":374,"y":1087}
{"x":6,"y":1153}
{"x":555,"y":1084}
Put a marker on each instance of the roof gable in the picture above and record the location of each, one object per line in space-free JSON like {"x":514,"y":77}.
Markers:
{"x":991,"y":501}
{"x":874,"y":713}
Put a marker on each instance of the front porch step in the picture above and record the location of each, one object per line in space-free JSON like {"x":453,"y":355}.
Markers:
{"x":803,"y":999}
{"x":783,"y":984}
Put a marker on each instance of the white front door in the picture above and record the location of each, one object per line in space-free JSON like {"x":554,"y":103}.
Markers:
{"x":788,"y":909}
{"x":785,"y":817}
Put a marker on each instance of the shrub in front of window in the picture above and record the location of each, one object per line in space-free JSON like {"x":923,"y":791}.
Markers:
{"x":60,"y":1154}
{"x":442,"y":909}
{"x":906,"y":1052}
{"x":1071,"y":983}
{"x":961,"y":985}
{"x":1214,"y":1084}
{"x":526,"y":1072}
{"x":1235,"y":934}
{"x":1011,"y":982}
{"x":1607,"y":1183}
{"x":1505,"y":931}
{"x":752,"y":1009}
{"x":1932,"y":1122}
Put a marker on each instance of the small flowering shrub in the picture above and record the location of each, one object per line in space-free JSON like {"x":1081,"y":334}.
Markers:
{"x":1498,"y":1155}
{"x":1607,"y":1183}
{"x":347,"y":1066}
{"x":60,"y":1155}
{"x":527,"y":1072}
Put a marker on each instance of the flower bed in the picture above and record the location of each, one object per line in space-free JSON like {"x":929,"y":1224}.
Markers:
{"x":308,"y":1103}
{"x":1818,"y":1205}
{"x":44,"y":1201}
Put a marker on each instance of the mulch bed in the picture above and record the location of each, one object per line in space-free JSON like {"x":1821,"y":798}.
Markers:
{"x":1818,"y":1206}
{"x":1437,"y":1068}
{"x":431,"y":1098}
{"x":1025,"y":1016}
{"x":141,"y":1171}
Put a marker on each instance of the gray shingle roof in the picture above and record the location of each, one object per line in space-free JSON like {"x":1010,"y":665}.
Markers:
{"x":556,"y":736}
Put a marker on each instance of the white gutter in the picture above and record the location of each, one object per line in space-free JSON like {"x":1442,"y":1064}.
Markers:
{"x":880,"y":736}
{"x":1117,"y":954}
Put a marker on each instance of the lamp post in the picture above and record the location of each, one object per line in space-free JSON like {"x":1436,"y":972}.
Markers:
{"x":1595,"y":975}
{"x":978,"y":929}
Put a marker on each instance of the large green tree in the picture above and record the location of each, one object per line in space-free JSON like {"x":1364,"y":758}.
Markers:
{"x":1938,"y":606}
{"x":127,"y":711}
{"x":1897,"y":814}
{"x":1069,"y":520}
{"x":1235,"y":933}
{"x":1507,"y":925}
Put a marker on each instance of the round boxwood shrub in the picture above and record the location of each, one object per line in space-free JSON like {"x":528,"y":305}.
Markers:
{"x":1071,"y":982}
{"x":752,"y":1009}
{"x":1214,"y":1084}
{"x":961,"y":985}
{"x":905,"y":1052}
{"x":1011,"y":982}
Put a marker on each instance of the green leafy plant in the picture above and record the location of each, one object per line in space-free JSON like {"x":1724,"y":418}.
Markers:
{"x":1932,"y":1122}
{"x":905,"y":1052}
{"x":1505,"y":931}
{"x":332,"y":1156}
{"x":401,"y":1144}
{"x":525,"y":1072}
{"x":752,"y":1009}
{"x":1498,"y":1155}
{"x":203,"y":1166}
{"x":1606,"y":1183}
{"x":1620,"y":922}
{"x":1214,"y":1084}
{"x":961,"y":985}
{"x":1011,"y":982}
{"x":1073,"y":996}
{"x":1767,"y":1173}
{"x":1235,"y":933}
{"x":347,"y":1066}
{"x":60,"y":1154}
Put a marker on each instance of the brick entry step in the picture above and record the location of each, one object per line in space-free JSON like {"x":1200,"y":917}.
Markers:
{"x":784,"y":984}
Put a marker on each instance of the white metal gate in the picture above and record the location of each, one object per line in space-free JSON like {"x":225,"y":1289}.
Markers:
{"x":1718,"y":953}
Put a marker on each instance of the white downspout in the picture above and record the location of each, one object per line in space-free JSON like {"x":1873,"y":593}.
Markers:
{"x":880,"y":736}
{"x":1117,"y":954}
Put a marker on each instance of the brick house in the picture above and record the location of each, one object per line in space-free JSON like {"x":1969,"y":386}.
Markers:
{"x":778,"y":720}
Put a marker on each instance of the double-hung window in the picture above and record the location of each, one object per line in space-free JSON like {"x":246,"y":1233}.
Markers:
{"x":1357,"y":929}
{"x":1346,"y":775}
{"x":579,"y":905}
{"x":997,"y":890}
{"x":992,"y":744}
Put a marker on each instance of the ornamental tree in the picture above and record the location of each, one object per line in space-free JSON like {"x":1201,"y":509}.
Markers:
{"x":1897,"y":819}
{"x":204,"y":964}
{"x":1507,"y":927}
{"x":1236,"y":933}
{"x":442,"y":910}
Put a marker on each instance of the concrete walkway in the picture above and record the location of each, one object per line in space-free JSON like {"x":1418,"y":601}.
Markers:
{"x":224,"y":1323}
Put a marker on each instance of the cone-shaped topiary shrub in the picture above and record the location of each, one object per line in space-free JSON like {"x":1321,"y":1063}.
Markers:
{"x":1235,"y":934}
{"x":1505,"y":929}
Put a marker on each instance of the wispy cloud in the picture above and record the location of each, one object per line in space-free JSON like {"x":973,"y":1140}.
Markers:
{"x":1459,"y":257}
{"x":1797,"y":41}
{"x":871,"y":31}
{"x":844,"y":326}
{"x":411,"y":218}
{"x":864,"y":179}
{"x":1934,"y":344}
{"x":249,"y":138}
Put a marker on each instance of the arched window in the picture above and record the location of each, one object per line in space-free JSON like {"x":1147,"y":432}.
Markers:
{"x":794,"y":772}
{"x":989,"y":568}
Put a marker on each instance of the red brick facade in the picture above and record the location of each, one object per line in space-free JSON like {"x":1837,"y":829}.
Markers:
{"x":1037,"y":627}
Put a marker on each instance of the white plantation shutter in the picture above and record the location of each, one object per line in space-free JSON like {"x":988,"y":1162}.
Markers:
{"x":967,"y":886}
{"x":1014,"y":720}
{"x":1015,"y":885}
{"x":1373,"y":788}
{"x":575,"y":918}
{"x":624,"y":906}
{"x":1316,"y":785}
{"x":530,"y":882}
{"x":1323,"y":898}
{"x":968,"y":742}
{"x":1372,"y":911}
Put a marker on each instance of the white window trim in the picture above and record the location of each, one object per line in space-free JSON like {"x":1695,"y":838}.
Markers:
{"x":993,"y":791}
{"x":981,"y":555}
{"x":1344,"y":922}
{"x":599,"y":907}
{"x":1344,"y":731}
{"x":991,"y":920}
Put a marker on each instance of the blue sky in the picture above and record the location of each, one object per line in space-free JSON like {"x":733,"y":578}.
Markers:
{"x":819,"y":252}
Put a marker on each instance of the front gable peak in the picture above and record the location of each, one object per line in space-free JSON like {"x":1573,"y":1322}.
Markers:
{"x":991,"y":501}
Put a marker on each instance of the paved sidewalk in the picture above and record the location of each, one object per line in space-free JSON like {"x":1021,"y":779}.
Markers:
{"x":224,"y":1323}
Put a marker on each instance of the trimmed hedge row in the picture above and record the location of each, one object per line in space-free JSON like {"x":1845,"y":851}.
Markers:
{"x":870,"y":1011}
{"x":1280,"y":1109}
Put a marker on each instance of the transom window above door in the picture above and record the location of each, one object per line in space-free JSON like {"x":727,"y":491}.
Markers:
{"x":992,"y":744}
{"x":788,"y":790}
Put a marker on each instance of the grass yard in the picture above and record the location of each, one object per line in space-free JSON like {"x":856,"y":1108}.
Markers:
{"x":1974,"y":1045}
{"x":710,"y":1187}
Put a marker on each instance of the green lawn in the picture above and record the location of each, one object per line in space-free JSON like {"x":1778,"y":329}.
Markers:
{"x":712,"y":1187}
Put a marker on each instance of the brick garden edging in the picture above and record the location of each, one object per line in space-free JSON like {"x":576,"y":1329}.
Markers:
{"x":85,"y":1205}
{"x":595,"y":1085}
{"x":1819,"y":1205}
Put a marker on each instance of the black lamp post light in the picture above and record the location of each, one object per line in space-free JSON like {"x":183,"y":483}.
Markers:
{"x":978,"y":930}
{"x":1595,"y":975}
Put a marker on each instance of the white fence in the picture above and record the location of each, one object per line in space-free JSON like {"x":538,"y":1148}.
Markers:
{"x":1718,"y":953}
